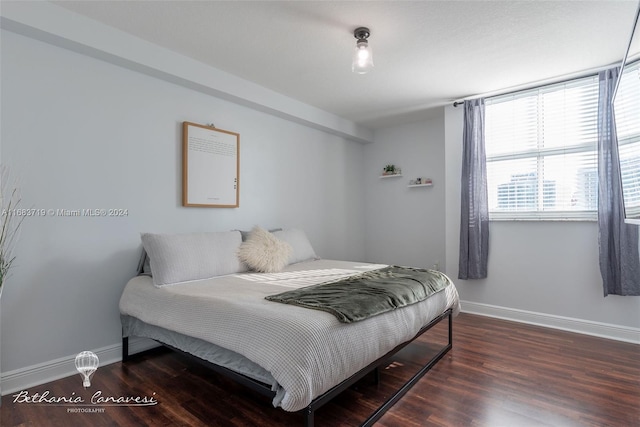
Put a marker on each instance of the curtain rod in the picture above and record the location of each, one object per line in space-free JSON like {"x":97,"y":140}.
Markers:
{"x":550,"y":81}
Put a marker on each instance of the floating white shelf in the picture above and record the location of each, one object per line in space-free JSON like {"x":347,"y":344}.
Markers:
{"x":419,"y":185}
{"x":391,"y":175}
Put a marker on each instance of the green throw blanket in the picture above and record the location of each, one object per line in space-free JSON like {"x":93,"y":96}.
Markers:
{"x":368,"y":294}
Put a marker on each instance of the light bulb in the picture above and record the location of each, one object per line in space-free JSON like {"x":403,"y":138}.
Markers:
{"x":363,"y":54}
{"x":362,"y":58}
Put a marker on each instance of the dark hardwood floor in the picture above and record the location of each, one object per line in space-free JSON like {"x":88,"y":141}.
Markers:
{"x":499,"y":373}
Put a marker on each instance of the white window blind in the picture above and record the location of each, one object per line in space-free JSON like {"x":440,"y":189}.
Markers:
{"x":541,"y":148}
{"x":627,"y":106}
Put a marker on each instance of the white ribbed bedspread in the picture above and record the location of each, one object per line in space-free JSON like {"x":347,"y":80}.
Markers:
{"x":307,"y":351}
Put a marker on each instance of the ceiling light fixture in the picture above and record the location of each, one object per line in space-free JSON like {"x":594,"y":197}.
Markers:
{"x":362,"y":58}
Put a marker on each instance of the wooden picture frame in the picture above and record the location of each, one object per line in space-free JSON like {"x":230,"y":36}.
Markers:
{"x":210,"y":167}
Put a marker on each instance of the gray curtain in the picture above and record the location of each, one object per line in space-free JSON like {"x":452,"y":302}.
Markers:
{"x":618,"y":242}
{"x":474,"y":219}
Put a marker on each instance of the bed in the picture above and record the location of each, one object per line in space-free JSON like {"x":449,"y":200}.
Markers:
{"x":300,"y":356}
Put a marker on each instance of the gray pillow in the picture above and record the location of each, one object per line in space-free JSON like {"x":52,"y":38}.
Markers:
{"x":245,"y":233}
{"x":179,"y":258}
{"x":302,"y":250}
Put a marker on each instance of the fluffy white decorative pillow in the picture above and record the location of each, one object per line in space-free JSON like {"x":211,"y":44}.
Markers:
{"x":301,"y":247}
{"x":264,"y":252}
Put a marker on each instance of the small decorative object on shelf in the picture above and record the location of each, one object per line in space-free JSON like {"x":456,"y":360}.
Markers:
{"x":421,"y":182}
{"x":391,"y":170}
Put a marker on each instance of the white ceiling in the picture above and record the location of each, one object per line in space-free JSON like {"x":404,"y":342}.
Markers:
{"x":426,"y":53}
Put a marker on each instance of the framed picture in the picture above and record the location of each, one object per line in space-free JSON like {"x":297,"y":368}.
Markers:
{"x":210,"y":167}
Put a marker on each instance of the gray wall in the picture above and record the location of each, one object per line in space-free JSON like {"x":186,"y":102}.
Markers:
{"x":406,"y":225}
{"x":82,"y":133}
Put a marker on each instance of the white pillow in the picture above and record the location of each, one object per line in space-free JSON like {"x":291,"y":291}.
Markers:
{"x":264,"y":252}
{"x":302,"y":250}
{"x":179,"y":258}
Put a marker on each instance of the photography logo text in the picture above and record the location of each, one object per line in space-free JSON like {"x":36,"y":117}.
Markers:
{"x":86,"y":363}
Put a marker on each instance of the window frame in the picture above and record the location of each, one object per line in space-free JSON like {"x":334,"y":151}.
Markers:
{"x":540,"y":153}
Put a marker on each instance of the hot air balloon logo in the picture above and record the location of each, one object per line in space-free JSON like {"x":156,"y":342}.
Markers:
{"x":87,"y":363}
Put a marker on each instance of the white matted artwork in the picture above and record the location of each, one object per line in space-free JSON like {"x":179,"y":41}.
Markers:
{"x":210,"y":167}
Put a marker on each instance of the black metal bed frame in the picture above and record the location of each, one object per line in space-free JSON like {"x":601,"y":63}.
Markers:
{"x":321,"y":400}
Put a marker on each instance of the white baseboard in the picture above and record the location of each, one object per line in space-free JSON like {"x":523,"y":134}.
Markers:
{"x":31,"y":376}
{"x":587,"y":327}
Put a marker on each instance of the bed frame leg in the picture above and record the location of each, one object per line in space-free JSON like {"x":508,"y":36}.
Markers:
{"x":125,"y":349}
{"x":377,"y":375}
{"x":450,"y":329}
{"x":308,"y":417}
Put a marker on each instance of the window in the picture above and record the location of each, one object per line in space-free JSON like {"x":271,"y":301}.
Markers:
{"x":541,"y":148}
{"x":627,"y":105}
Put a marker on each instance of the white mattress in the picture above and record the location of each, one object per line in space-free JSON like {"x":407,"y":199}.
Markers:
{"x":307,"y":351}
